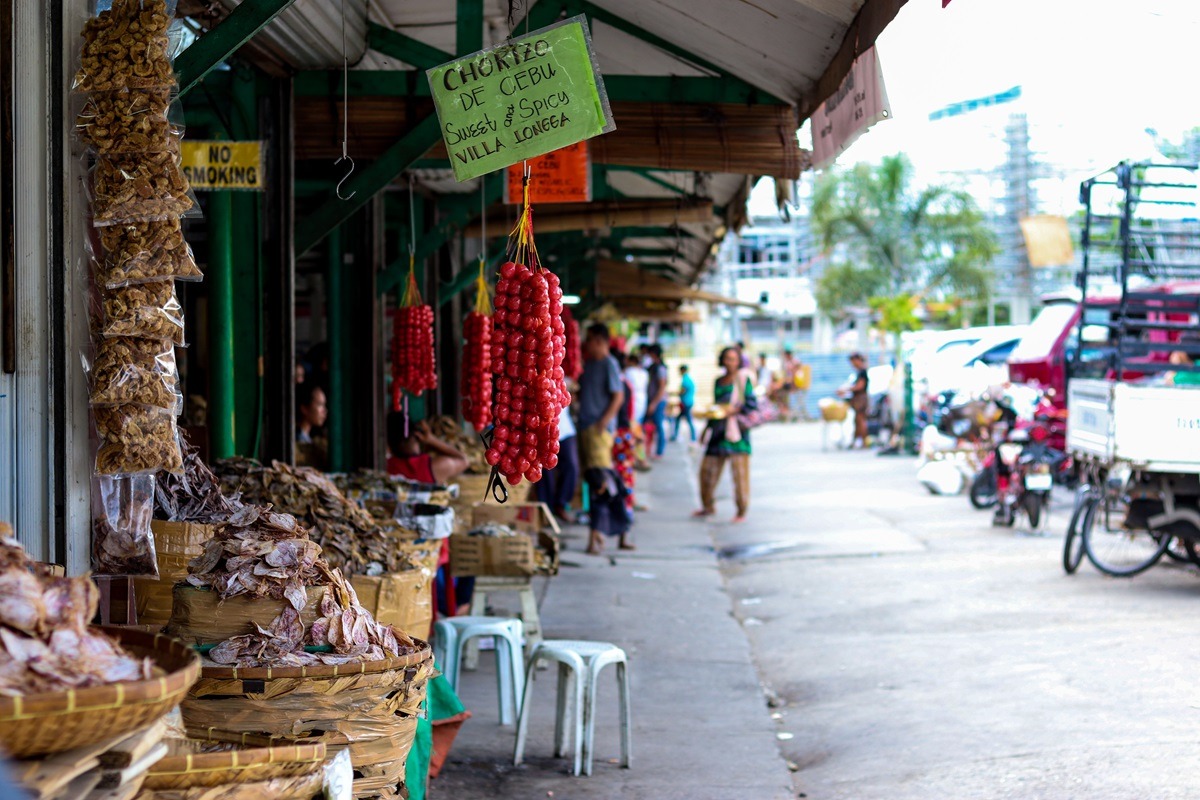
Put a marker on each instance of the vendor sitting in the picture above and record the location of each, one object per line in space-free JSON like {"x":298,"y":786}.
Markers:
{"x":415,"y":453}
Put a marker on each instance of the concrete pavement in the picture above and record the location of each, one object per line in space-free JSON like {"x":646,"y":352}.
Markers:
{"x":702,"y":729}
{"x":919,"y":652}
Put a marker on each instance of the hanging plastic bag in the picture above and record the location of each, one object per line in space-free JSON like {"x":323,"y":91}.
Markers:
{"x":134,"y":371}
{"x":122,"y":541}
{"x":136,"y":440}
{"x":127,"y":46}
{"x":141,"y":252}
{"x":145,"y":311}
{"x":128,"y":121}
{"x":135,"y":187}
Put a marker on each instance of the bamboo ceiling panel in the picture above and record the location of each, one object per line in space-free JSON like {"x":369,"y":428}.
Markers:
{"x":750,"y":140}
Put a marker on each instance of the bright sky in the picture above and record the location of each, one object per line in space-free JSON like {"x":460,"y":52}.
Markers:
{"x":1094,"y":75}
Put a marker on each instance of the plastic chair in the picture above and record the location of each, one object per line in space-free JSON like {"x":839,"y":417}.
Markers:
{"x":579,"y":666}
{"x":452,"y":633}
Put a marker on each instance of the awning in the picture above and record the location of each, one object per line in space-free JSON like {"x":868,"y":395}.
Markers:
{"x":619,"y":281}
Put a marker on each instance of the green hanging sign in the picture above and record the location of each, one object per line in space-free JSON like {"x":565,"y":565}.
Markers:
{"x":529,"y":96}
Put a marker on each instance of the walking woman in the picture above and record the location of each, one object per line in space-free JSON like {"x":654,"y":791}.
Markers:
{"x":725,"y":439}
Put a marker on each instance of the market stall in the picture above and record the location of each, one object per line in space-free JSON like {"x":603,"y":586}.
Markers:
{"x":236,"y":184}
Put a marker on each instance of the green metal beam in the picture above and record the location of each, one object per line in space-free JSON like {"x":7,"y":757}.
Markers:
{"x":221,"y":355}
{"x":647,"y":173}
{"x":406,"y":48}
{"x":469,"y":26}
{"x":363,"y":184}
{"x":222,"y":41}
{"x":456,"y":213}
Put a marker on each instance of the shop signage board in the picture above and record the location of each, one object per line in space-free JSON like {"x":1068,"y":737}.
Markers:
{"x":561,"y":176}
{"x":531,"y":95}
{"x":859,"y":103}
{"x":212,"y":165}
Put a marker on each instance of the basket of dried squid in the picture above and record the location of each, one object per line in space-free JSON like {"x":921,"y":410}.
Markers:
{"x":65,"y":684}
{"x":341,"y":678}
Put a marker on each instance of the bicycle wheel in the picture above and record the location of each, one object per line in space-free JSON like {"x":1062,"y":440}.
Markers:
{"x":1120,"y":552}
{"x":1073,"y":544}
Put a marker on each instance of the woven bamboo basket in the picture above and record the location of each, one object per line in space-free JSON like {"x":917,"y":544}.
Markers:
{"x":368,"y":708}
{"x":38,"y":724}
{"x":294,"y":787}
{"x":185,"y":768}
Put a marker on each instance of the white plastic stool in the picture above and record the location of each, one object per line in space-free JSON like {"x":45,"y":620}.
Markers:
{"x":452,"y":633}
{"x":579,"y":665}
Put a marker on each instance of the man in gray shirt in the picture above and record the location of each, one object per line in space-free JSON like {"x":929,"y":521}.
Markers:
{"x":601,"y":392}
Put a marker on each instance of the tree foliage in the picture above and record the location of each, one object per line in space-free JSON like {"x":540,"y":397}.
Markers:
{"x":890,"y":241}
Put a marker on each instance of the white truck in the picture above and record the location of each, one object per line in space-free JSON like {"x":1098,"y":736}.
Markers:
{"x":1136,"y":439}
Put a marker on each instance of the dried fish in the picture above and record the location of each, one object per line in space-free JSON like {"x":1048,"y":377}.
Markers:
{"x":45,"y":642}
{"x":194,"y":494}
{"x":350,"y":538}
{"x":268,"y":556}
{"x":345,"y":626}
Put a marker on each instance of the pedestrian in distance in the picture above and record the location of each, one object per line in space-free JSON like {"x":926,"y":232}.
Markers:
{"x":725,"y":440}
{"x":856,"y":392}
{"x":687,"y":399}
{"x":655,"y":421}
{"x":601,"y":392}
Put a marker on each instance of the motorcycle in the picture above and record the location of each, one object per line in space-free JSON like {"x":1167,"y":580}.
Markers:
{"x":1026,"y":467}
{"x":983,"y":491}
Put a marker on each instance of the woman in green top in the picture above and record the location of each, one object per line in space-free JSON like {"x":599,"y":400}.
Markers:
{"x":726,"y":440}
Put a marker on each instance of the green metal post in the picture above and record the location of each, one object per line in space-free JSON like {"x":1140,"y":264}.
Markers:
{"x":336,"y":332}
{"x":220,"y":325}
{"x":469,"y":26}
{"x":910,"y":412}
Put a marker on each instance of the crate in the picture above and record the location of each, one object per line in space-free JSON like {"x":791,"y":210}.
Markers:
{"x":507,"y":556}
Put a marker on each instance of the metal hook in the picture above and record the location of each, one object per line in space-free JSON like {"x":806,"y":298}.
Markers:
{"x":346,"y":177}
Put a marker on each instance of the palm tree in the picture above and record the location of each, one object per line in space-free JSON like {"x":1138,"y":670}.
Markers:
{"x":895,"y":243}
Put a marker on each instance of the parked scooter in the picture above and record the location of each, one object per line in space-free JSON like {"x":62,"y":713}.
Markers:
{"x":1027,"y":466}
{"x":983,"y":491}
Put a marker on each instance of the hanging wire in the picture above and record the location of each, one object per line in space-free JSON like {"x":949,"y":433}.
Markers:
{"x":345,"y":112}
{"x":412,"y":220}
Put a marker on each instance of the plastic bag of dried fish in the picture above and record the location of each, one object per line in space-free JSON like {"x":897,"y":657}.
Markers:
{"x":128,"y":121}
{"x":136,"y":440}
{"x":138,"y":187}
{"x":122,"y":542}
{"x":146,"y":311}
{"x":138,"y":371}
{"x":142,"y":252}
{"x":127,"y":45}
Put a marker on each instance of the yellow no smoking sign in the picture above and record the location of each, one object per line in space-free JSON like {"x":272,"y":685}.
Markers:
{"x":214,"y":165}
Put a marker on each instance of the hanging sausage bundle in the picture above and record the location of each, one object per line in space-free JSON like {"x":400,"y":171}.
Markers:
{"x":528,"y":345}
{"x":412,"y":345}
{"x":477,"y":359}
